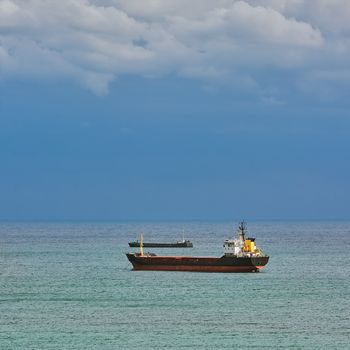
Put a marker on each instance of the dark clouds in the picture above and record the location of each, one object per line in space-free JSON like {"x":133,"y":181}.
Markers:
{"x":94,"y":42}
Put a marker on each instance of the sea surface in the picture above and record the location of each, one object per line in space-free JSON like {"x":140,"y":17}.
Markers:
{"x":70,"y":286}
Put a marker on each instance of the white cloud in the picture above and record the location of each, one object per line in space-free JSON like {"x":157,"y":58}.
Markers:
{"x":95,"y":41}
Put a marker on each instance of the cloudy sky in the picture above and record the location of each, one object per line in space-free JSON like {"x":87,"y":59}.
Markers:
{"x":174,"y":110}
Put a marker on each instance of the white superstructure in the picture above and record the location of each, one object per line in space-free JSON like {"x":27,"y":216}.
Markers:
{"x":241,"y":246}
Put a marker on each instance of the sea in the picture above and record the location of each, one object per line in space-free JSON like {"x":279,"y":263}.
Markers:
{"x":70,"y":286}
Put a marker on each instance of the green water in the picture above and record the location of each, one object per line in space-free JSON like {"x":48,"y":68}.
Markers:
{"x":70,"y":286}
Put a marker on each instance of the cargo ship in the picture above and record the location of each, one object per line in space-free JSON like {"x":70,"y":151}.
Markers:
{"x":241,"y":254}
{"x":178,"y":244}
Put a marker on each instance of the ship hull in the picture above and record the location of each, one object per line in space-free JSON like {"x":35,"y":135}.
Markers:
{"x":197,"y":264}
{"x":162,"y":245}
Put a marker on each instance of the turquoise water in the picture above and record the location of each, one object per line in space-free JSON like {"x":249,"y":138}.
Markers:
{"x":70,"y":286}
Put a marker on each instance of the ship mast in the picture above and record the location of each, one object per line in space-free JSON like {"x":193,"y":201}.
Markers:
{"x":242,"y":228}
{"x":141,"y":244}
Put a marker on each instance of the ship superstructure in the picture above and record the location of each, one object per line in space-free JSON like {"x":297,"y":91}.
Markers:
{"x":242,"y":246}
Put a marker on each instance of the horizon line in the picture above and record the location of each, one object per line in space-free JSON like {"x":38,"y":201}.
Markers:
{"x":121,"y":221}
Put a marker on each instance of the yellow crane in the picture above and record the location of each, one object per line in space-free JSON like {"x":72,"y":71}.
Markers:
{"x":141,"y":244}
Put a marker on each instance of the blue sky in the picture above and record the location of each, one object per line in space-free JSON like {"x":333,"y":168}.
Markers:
{"x":226,"y":110}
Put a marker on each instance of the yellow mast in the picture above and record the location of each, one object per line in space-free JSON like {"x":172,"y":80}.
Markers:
{"x":141,"y":245}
